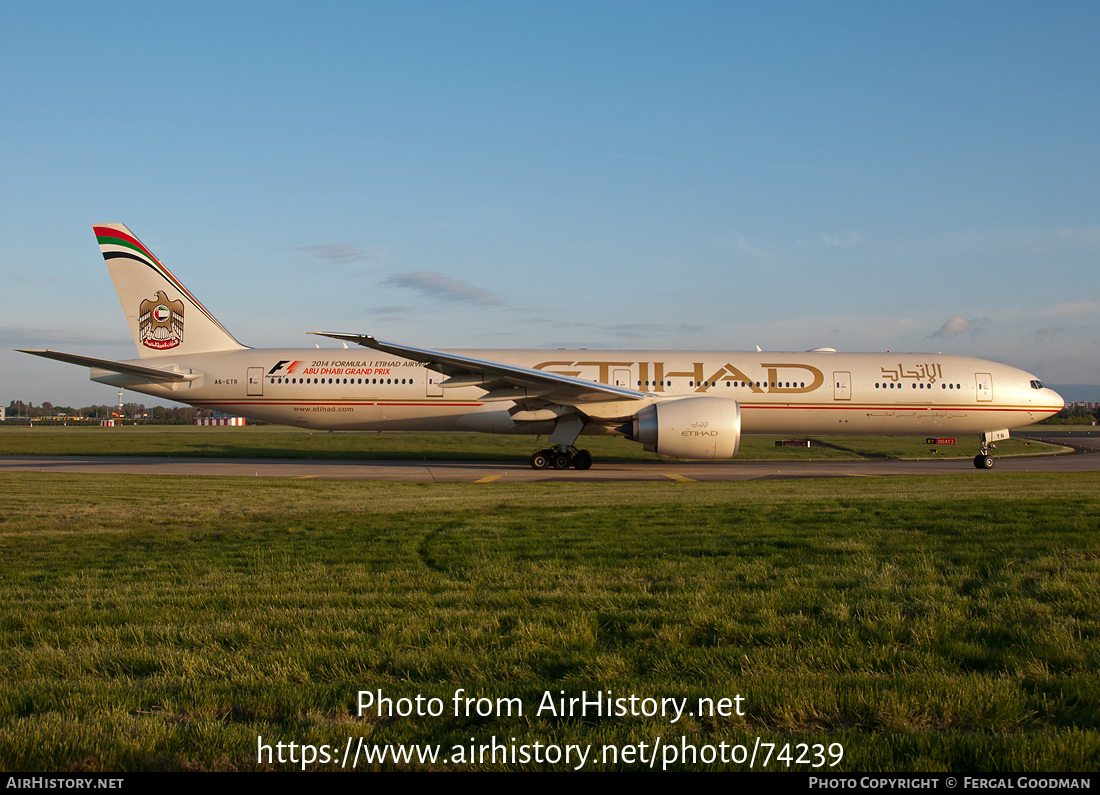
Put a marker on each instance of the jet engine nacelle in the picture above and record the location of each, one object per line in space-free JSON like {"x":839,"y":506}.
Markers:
{"x":694,"y":427}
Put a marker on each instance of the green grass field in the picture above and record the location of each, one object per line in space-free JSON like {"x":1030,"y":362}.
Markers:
{"x":270,"y":441}
{"x":932,"y":623}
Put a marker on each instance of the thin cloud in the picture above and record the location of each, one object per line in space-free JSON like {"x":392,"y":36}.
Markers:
{"x":1081,"y":236}
{"x":433,"y":284}
{"x":568,"y":324}
{"x":648,"y":330}
{"x":959,"y":325}
{"x":744,"y":246}
{"x":953,"y":327}
{"x":38,"y":337}
{"x":740,"y":242}
{"x":1078,"y":237}
{"x":1077,"y":308}
{"x":1044,"y":334}
{"x":631,"y":330}
{"x":389,"y":312}
{"x":1067,"y":369}
{"x":845,"y":241}
{"x":337,"y":253}
{"x":393,"y":309}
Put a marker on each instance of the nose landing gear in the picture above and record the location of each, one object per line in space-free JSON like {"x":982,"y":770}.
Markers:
{"x":983,"y":460}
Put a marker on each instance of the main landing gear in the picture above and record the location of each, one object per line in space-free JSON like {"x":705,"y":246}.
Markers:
{"x":562,"y":454}
{"x":561,"y":457}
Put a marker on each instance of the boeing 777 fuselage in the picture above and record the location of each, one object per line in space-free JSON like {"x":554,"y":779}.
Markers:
{"x":683,"y":404}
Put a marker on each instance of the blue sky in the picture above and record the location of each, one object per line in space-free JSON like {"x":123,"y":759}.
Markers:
{"x":866,"y":176}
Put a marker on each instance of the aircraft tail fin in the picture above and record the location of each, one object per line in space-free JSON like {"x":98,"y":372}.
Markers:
{"x":164,"y":317}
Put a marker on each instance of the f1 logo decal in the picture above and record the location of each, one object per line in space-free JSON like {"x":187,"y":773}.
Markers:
{"x":278,"y":368}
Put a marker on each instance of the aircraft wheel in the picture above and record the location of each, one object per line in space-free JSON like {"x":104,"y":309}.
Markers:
{"x":582,"y":460}
{"x":983,"y":461}
{"x":540,"y":460}
{"x":560,"y":460}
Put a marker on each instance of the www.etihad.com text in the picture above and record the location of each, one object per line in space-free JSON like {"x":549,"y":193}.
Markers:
{"x":659,"y":754}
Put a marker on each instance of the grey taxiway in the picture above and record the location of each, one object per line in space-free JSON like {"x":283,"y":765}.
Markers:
{"x":1081,"y":454}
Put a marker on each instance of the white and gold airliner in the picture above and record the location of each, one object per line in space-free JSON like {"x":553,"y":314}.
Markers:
{"x":682,"y":404}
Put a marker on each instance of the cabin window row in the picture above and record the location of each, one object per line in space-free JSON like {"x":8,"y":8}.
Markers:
{"x":892,"y":385}
{"x":278,"y":380}
{"x":758,"y":384}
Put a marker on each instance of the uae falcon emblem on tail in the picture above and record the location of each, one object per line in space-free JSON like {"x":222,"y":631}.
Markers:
{"x":160,"y":322}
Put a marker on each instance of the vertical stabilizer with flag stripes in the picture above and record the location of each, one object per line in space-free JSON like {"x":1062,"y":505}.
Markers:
{"x":164,"y":317}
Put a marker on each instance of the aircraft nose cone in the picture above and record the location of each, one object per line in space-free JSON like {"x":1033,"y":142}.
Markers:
{"x":1057,"y":403}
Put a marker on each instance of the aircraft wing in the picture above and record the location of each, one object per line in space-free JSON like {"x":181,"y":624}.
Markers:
{"x":503,"y":381}
{"x":140,"y":371}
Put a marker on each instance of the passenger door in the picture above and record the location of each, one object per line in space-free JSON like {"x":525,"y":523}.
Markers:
{"x":983,"y":383}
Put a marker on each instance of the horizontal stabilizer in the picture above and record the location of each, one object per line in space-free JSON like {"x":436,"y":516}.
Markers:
{"x":138,"y":370}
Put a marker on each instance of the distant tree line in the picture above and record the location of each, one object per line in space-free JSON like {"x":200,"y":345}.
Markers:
{"x":1076,"y":414}
{"x":47,"y":412}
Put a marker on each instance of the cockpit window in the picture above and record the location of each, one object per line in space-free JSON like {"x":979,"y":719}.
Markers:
{"x":1038,"y":385}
